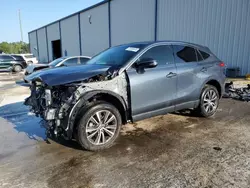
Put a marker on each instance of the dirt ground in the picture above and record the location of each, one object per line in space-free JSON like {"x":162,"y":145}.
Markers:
{"x":175,"y":150}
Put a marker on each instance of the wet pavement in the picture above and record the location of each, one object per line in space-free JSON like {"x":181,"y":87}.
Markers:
{"x":175,"y":150}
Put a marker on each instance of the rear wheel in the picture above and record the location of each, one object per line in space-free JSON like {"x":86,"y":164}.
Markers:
{"x":99,"y":126}
{"x":17,"y":68}
{"x":209,"y":101}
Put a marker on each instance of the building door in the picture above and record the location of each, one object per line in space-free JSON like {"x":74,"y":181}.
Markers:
{"x":56,"y":49}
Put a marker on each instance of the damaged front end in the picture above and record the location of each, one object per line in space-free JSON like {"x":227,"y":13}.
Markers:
{"x":51,"y":104}
{"x":58,"y":105}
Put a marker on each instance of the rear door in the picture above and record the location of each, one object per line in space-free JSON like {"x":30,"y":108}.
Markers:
{"x":187,"y":80}
{"x":153,"y":91}
{"x":6,"y":61}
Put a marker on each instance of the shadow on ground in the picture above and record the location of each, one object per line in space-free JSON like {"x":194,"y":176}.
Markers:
{"x":22,"y":83}
{"x":23,"y":121}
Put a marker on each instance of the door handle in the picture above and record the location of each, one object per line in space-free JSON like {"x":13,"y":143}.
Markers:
{"x":171,"y":74}
{"x":204,"y":69}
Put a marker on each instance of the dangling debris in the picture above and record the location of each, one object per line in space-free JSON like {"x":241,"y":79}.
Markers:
{"x":242,"y":93}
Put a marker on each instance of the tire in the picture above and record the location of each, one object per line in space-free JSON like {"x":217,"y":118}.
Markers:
{"x":17,"y":68}
{"x":91,"y":134}
{"x":209,"y":101}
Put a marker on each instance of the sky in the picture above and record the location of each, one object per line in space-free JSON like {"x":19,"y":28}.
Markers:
{"x":34,"y":14}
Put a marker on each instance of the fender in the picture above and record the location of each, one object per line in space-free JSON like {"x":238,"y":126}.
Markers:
{"x":83,"y":101}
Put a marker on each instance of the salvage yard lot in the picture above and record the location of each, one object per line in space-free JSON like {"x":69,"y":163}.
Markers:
{"x":175,"y":150}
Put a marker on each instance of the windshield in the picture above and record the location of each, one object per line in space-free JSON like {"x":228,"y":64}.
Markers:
{"x":56,"y":61}
{"x":117,"y":56}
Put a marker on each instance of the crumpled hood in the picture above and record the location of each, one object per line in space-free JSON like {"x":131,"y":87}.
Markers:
{"x":31,"y":67}
{"x":64,"y":75}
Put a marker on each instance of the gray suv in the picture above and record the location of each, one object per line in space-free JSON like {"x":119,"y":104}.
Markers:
{"x":126,"y":83}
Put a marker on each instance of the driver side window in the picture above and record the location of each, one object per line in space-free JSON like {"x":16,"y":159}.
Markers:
{"x":162,"y":54}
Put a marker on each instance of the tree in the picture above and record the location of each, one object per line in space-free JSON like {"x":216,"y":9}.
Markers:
{"x":14,"y":47}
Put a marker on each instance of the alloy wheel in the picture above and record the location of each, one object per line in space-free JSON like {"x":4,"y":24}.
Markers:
{"x":101,"y":127}
{"x":210,"y":101}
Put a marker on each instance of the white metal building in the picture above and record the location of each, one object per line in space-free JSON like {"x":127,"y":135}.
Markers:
{"x":222,"y":25}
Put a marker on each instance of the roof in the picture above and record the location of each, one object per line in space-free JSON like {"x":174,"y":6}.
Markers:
{"x":168,"y":41}
{"x":83,"y":10}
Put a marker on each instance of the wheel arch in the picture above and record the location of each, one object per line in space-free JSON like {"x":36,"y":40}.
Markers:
{"x":215,"y":83}
{"x":97,"y":95}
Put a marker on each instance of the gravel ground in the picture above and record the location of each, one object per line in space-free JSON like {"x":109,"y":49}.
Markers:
{"x":175,"y":150}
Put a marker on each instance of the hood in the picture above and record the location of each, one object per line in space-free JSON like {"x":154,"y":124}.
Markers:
{"x":31,"y":67}
{"x":65,"y":75}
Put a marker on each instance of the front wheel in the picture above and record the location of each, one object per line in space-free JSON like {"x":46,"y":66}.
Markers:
{"x":99,"y":126}
{"x":209,"y":101}
{"x":18,"y":68}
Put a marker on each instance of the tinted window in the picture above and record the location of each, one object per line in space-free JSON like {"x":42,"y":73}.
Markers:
{"x":117,"y":56}
{"x":184,"y":54}
{"x":83,"y":60}
{"x":162,"y":54}
{"x":204,"y":55}
{"x":199,"y":57}
{"x":56,"y":62}
{"x":6,"y":57}
{"x":18,"y":58}
{"x":72,"y":61}
{"x":29,"y":56}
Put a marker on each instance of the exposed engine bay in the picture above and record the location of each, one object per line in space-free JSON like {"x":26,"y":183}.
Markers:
{"x":58,"y":105}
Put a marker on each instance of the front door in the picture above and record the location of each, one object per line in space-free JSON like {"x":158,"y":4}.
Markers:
{"x":153,"y":91}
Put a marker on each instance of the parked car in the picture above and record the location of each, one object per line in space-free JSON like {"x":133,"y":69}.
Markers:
{"x":62,"y":61}
{"x":14,"y":63}
{"x":124,"y":84}
{"x":29,"y":58}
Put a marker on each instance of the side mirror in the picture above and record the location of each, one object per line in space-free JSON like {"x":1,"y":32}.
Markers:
{"x":146,"y":63}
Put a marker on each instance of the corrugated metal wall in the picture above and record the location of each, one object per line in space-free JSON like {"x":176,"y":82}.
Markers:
{"x":95,"y":30}
{"x":33,"y":43}
{"x":132,"y":20}
{"x":70,"y":36}
{"x":42,"y":45}
{"x":222,"y":25}
{"x":53,"y":33}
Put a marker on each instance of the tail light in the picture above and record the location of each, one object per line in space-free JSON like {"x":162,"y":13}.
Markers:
{"x":222,"y":64}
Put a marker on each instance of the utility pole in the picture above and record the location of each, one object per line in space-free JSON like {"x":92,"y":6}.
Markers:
{"x":20,"y":23}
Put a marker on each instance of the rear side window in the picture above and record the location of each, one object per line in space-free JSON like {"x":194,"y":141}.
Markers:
{"x":162,"y":54}
{"x":199,"y":56}
{"x":184,"y":54}
{"x":72,"y":61}
{"x":83,"y":60}
{"x":29,"y":56}
{"x":18,"y":58}
{"x":204,"y":55}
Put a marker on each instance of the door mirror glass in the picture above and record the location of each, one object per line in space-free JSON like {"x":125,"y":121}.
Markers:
{"x":146,"y":63}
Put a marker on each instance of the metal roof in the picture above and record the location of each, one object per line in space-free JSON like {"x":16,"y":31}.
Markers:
{"x":88,"y":8}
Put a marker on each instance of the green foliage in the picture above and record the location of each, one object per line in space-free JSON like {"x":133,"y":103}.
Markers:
{"x":14,"y":47}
